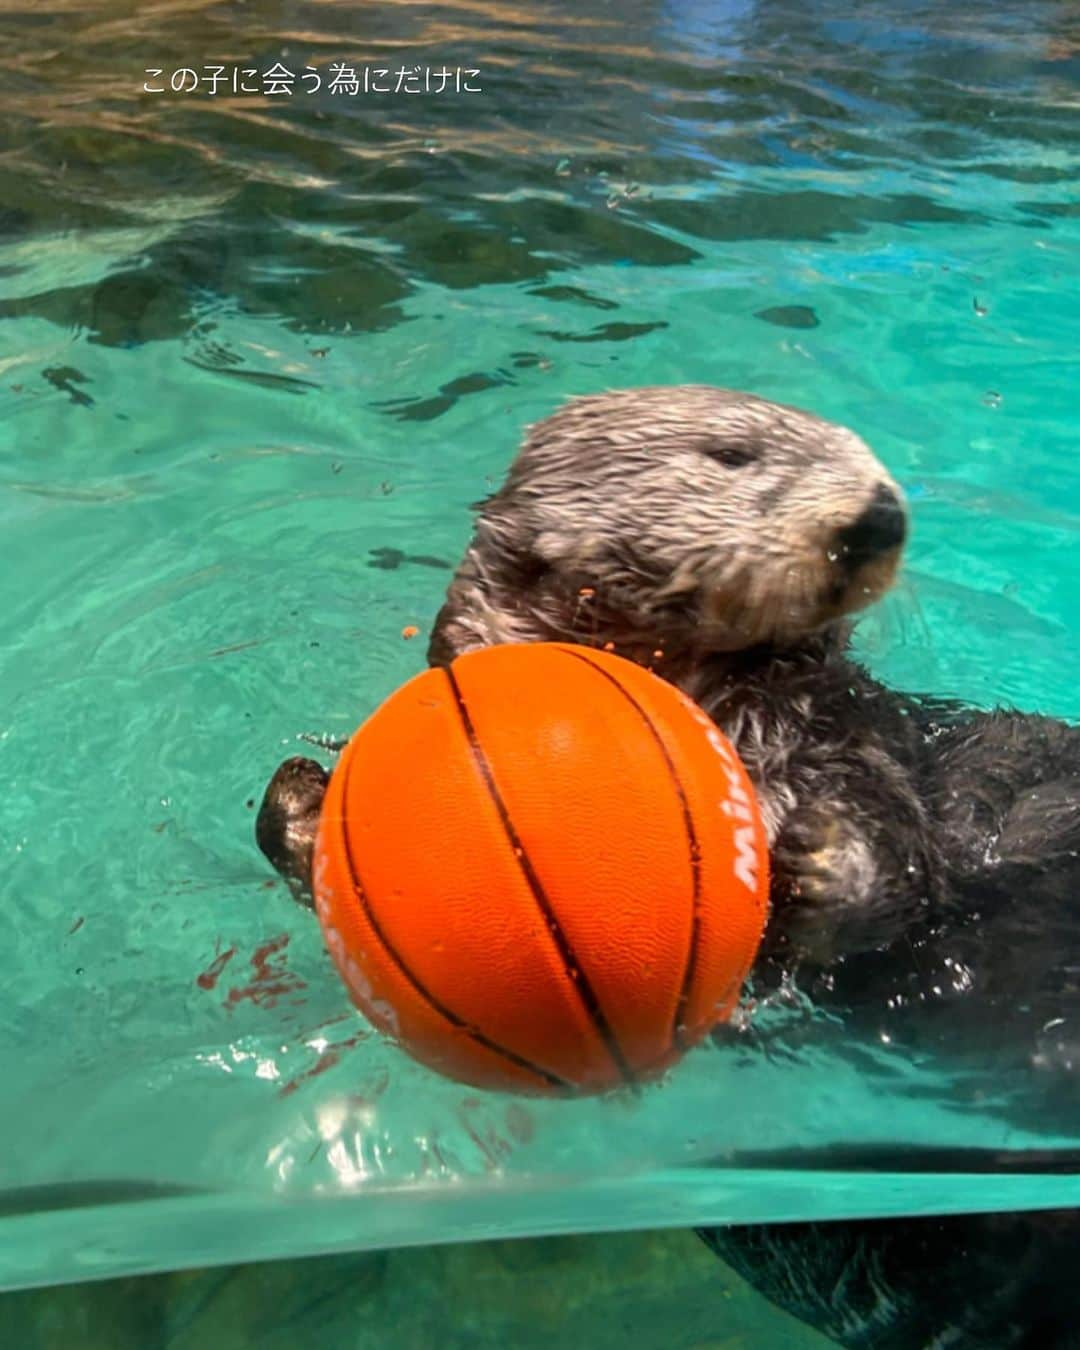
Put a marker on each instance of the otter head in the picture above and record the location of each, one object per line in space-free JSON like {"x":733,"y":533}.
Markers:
{"x":696,"y":519}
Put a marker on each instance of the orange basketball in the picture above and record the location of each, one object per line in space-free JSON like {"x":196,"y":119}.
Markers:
{"x":541,"y":870}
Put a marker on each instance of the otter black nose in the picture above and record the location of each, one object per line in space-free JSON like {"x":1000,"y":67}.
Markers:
{"x":881,"y":528}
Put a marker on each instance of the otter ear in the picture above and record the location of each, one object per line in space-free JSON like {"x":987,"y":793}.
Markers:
{"x":562,"y":547}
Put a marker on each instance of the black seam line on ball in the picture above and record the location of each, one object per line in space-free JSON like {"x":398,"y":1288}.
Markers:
{"x":692,"y":843}
{"x":553,"y":1080}
{"x":578,"y":978}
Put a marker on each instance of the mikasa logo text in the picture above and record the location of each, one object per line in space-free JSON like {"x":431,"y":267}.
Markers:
{"x":738,"y":806}
{"x":746,"y":856}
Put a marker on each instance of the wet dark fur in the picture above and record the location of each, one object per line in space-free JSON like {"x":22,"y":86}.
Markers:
{"x":926,"y":856}
{"x":970,"y":1282}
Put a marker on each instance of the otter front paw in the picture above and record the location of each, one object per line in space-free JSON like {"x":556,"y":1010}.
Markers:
{"x":825,"y":880}
{"x":840,"y":867}
{"x":288,"y":819}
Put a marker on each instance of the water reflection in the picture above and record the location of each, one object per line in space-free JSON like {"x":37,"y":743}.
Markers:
{"x":604,"y":133}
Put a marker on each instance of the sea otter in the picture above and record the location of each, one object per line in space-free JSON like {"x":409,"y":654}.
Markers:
{"x":925,"y":855}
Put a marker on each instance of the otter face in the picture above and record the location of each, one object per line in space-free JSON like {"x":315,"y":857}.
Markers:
{"x":700,"y":517}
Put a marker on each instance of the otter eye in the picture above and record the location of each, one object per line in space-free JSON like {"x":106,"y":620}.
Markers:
{"x":732,"y":454}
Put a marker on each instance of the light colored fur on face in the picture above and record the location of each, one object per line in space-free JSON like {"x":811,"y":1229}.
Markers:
{"x":639,"y":497}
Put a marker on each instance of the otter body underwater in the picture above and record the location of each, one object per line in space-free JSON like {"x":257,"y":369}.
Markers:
{"x":926,"y":856}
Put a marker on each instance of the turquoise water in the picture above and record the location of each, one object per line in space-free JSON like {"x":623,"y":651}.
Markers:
{"x":258,"y":355}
